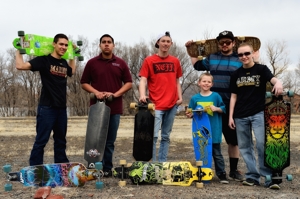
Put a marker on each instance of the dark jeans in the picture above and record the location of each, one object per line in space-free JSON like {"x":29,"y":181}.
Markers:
{"x":218,"y":159}
{"x":114,"y":122}
{"x":48,"y":119}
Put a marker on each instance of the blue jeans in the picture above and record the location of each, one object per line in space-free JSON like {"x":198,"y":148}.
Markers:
{"x":163,"y":120}
{"x":218,"y":159}
{"x":244,"y":128}
{"x":48,"y":119}
{"x":114,"y":122}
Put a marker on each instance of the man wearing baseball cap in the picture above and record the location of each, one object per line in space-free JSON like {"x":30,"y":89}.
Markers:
{"x":161,"y":73}
{"x":221,"y":65}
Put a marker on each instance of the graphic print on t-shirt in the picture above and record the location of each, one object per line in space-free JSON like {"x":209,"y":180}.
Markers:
{"x":206,"y":106}
{"x":58,"y":71}
{"x":163,"y":67}
{"x":248,"y":81}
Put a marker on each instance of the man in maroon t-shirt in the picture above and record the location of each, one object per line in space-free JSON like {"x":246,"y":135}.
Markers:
{"x":107,"y":75}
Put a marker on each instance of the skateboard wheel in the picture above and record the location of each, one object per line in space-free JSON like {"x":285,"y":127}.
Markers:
{"x":199,"y":163}
{"x":122,"y":183}
{"x":79,"y":43}
{"x":80,"y":58}
{"x":151,"y":106}
{"x":7,"y":187}
{"x":290,"y":93}
{"x":98,"y":166}
{"x":92,"y":96}
{"x":123,"y":162}
{"x":21,"y":33}
{"x":241,"y":38}
{"x":99,"y":185}
{"x":7,"y":168}
{"x":268,"y":178}
{"x":22,"y":51}
{"x":289,"y":177}
{"x":200,"y":57}
{"x":110,"y":98}
{"x":268,"y":94}
{"x":199,"y":185}
{"x":132,"y":105}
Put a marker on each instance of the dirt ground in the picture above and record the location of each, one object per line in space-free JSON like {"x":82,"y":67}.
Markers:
{"x":17,"y":136}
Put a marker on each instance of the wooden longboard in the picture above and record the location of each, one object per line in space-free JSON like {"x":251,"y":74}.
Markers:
{"x":203,"y":48}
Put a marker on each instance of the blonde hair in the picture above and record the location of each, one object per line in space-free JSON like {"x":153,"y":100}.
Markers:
{"x":206,"y":74}
{"x":245,"y":44}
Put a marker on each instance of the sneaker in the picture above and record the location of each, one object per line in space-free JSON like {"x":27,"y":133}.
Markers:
{"x":250,"y":182}
{"x":236,"y":175}
{"x":107,"y":173}
{"x":274,"y":186}
{"x":223,"y":179}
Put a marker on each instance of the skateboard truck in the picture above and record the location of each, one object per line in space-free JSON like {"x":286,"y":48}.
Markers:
{"x":7,"y":169}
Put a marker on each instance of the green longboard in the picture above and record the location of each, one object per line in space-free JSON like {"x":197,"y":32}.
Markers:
{"x":37,"y":45}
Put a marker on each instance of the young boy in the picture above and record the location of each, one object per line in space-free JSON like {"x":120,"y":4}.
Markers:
{"x":213,"y":102}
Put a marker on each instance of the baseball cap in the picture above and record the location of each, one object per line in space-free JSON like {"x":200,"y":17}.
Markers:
{"x":225,"y":34}
{"x":167,"y":33}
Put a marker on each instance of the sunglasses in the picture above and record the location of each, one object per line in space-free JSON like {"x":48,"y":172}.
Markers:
{"x":225,"y":42}
{"x":246,"y":54}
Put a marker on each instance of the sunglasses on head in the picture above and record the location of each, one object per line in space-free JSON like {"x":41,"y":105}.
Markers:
{"x":225,"y":42}
{"x":245,"y":53}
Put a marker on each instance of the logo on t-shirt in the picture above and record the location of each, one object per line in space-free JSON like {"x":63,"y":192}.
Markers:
{"x":248,"y":81}
{"x":163,"y":67}
{"x":58,"y":71}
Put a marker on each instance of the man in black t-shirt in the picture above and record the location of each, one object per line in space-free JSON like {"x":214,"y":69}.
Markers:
{"x":51,"y":111}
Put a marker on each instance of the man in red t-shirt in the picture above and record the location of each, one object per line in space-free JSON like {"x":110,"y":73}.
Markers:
{"x":161,"y":72}
{"x":108,"y":75}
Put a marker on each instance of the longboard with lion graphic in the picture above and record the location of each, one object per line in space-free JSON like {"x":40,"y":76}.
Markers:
{"x":277,"y":136}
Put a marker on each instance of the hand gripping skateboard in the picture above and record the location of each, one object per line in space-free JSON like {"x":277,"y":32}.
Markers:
{"x":166,"y":173}
{"x":277,"y":136}
{"x":96,"y":131}
{"x":143,"y":131}
{"x":60,"y":174}
{"x":203,"y":48}
{"x":202,"y":138}
{"x":37,"y":45}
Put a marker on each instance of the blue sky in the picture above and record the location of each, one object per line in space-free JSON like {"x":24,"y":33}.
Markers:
{"x":130,"y":21}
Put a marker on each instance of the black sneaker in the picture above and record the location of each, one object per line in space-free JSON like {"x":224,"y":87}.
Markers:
{"x":107,"y":173}
{"x":223,"y":179}
{"x":236,"y":175}
{"x":250,"y":182}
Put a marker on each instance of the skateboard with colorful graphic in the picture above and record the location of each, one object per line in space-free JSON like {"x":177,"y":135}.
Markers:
{"x":202,"y":138}
{"x":166,"y":173}
{"x":277,"y":136}
{"x":37,"y":45}
{"x":96,"y":131}
{"x":61,"y":174}
{"x":143,"y":131}
{"x":203,"y":48}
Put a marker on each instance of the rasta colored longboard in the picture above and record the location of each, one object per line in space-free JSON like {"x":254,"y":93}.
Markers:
{"x":166,"y":173}
{"x":203,"y":48}
{"x":143,"y":131}
{"x":37,"y":45}
{"x":60,"y":174}
{"x":277,"y":136}
{"x":202,"y":138}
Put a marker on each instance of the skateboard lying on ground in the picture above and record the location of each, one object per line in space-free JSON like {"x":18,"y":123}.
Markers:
{"x":37,"y":45}
{"x":96,"y":131}
{"x":203,"y":48}
{"x":143,"y":131}
{"x":60,"y":174}
{"x":202,"y":138}
{"x":166,"y":173}
{"x":277,"y":136}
